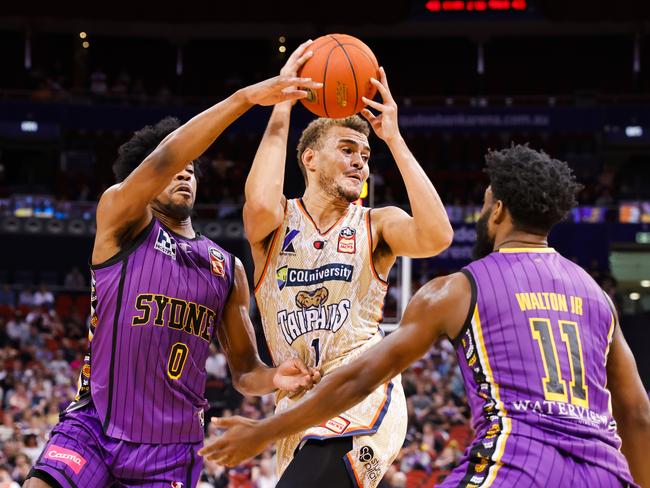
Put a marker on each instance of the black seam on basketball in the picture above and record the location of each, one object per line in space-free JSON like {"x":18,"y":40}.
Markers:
{"x":354,"y":76}
{"x":322,"y":46}
{"x":327,"y":62}
{"x":373,"y":61}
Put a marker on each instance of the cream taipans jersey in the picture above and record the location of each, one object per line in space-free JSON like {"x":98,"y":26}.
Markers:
{"x":321,"y":300}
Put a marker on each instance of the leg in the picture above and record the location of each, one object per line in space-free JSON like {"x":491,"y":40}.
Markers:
{"x":319,"y":464}
{"x":37,"y":479}
{"x":156,"y":466}
{"x":73,"y":457}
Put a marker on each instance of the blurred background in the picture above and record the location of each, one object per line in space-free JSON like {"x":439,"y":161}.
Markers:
{"x":572,"y":78}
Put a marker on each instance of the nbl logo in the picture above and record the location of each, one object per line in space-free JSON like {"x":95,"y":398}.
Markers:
{"x":166,"y":244}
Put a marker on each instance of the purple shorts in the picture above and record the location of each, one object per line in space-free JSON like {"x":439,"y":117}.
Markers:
{"x":79,"y":455}
{"x":533,"y":466}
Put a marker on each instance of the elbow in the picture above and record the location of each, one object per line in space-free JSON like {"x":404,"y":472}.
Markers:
{"x":635,"y":416}
{"x":257,"y":205}
{"x":238,"y":384}
{"x":440,"y":239}
{"x":446,"y":237}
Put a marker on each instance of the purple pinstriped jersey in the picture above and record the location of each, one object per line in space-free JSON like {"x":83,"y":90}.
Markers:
{"x":155,"y":308}
{"x":533,"y":356}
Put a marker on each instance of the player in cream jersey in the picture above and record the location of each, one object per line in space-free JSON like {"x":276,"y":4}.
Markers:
{"x":321,"y":300}
{"x":320,"y":296}
{"x":320,"y":268}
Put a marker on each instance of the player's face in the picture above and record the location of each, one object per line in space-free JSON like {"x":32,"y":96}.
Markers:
{"x":485,"y":236}
{"x":177,"y":200}
{"x":342,"y":163}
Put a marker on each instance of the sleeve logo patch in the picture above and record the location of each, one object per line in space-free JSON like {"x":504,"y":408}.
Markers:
{"x":217,"y":262}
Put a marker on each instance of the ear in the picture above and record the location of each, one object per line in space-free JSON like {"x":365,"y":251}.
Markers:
{"x":499,"y":212}
{"x":308,"y":159}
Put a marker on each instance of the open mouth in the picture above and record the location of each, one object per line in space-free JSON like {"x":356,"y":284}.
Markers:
{"x":184,"y":189}
{"x":354,"y":177}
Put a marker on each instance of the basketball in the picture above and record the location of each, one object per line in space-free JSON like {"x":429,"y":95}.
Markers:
{"x":344,"y":65}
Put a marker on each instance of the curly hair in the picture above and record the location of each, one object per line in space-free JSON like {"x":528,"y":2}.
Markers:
{"x":313,"y":135}
{"x":135,"y":150}
{"x":538,"y":190}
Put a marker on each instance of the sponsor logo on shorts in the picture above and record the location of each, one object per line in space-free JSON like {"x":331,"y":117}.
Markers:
{"x":177,"y":484}
{"x":166,"y":244}
{"x":371,"y":465}
{"x":74,"y":460}
{"x":338,"y":425}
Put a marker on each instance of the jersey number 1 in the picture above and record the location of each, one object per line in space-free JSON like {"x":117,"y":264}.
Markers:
{"x":555,"y":388}
{"x":316,"y":345}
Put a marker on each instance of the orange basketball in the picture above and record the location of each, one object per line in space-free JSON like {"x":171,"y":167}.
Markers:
{"x":344,"y":65}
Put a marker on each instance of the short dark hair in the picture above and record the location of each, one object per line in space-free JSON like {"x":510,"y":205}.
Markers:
{"x":135,"y":150}
{"x":537,"y":190}
{"x":312,"y":136}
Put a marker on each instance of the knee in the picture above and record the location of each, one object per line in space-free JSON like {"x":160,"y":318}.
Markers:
{"x":36,"y":483}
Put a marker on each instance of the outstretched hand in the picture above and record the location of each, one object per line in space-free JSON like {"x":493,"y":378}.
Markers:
{"x":295,"y":377}
{"x":279,"y":89}
{"x":243,"y":439}
{"x":297,"y":59}
{"x":385,"y":124}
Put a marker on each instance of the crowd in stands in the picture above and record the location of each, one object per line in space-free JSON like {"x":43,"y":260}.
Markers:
{"x":453,"y":161}
{"x":43,"y":340}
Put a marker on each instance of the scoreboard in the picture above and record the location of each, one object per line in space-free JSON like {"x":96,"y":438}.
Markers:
{"x":475,"y":5}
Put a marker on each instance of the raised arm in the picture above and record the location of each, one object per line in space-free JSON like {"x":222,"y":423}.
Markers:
{"x":126,"y":204}
{"x":428,"y":232}
{"x":237,"y":339}
{"x":631,"y":407}
{"x":264,"y":206}
{"x":440,"y":307}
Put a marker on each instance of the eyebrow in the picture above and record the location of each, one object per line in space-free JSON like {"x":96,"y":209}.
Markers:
{"x":345,"y":140}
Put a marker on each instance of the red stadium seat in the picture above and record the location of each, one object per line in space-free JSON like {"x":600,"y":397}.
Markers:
{"x":416,"y":478}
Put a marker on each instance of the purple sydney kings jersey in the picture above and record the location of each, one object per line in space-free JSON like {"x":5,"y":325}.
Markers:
{"x":154,"y":311}
{"x":533,"y":355}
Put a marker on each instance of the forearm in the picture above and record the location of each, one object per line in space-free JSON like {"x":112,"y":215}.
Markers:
{"x":265,"y":181}
{"x":190,"y":141}
{"x":429,"y":214}
{"x":335,"y":394}
{"x":636,"y":445}
{"x":256,"y":382}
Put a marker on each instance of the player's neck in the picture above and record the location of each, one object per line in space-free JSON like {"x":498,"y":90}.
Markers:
{"x":324,"y":209}
{"x":520,"y":239}
{"x":181,"y":227}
